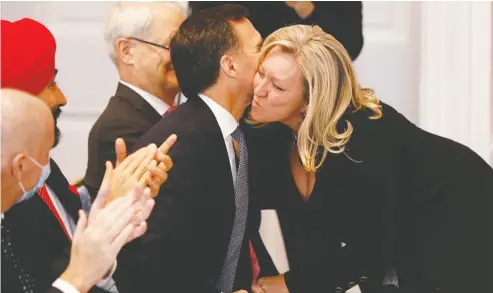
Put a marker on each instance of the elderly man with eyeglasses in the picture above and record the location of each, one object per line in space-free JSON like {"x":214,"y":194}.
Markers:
{"x":137,"y":37}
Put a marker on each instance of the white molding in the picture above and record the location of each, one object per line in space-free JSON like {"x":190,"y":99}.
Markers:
{"x":455,"y":73}
{"x":387,"y":21}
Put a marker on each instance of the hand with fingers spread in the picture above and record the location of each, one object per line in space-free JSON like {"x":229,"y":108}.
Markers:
{"x":143,"y":204}
{"x":156,"y":172}
{"x":98,"y":240}
{"x":129,"y":172}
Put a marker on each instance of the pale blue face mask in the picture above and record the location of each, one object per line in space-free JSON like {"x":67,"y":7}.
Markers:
{"x":45,"y":173}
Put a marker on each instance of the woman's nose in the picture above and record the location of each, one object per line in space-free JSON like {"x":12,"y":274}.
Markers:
{"x":260,"y":91}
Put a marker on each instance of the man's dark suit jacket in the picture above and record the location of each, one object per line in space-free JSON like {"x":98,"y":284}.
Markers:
{"x":38,"y":239}
{"x":190,"y":227}
{"x":128,"y":116}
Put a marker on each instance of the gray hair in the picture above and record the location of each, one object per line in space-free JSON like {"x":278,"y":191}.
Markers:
{"x":127,"y":19}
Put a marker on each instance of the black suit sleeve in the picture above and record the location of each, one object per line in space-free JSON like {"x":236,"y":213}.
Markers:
{"x":343,"y":20}
{"x":166,"y":256}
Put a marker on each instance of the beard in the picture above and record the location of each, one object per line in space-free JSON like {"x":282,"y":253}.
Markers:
{"x":58,"y":134}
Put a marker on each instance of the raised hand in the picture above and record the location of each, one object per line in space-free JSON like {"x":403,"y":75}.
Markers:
{"x":98,"y":240}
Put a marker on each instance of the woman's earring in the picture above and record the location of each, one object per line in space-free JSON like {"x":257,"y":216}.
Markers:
{"x":303,"y":112}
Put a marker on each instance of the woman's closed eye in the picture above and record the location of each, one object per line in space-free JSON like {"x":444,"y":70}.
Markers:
{"x":278,"y":87}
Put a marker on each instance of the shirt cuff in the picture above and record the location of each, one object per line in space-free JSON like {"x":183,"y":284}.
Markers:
{"x":105,"y":282}
{"x":64,"y":286}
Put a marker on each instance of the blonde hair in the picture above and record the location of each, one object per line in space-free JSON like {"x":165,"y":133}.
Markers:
{"x":330,"y":86}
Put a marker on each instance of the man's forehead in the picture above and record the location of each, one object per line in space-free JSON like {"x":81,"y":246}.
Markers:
{"x":243,"y":25}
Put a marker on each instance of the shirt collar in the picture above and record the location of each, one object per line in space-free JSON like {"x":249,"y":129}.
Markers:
{"x":225,"y":119}
{"x":159,"y":105}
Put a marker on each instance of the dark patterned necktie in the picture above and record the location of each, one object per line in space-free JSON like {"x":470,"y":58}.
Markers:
{"x":26,"y":281}
{"x":228,"y":272}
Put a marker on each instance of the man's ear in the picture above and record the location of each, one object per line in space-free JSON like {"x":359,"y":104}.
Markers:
{"x":18,"y":166}
{"x":123,"y":50}
{"x":228,"y":66}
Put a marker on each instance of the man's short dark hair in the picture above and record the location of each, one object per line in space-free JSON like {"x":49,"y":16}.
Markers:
{"x":201,"y":41}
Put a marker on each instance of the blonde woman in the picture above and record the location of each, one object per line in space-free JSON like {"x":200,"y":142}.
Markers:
{"x":360,"y":191}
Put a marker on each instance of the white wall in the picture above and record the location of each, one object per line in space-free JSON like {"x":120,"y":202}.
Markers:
{"x":389,"y":62}
{"x":455,"y":75}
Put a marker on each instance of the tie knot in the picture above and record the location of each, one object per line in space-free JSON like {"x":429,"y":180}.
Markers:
{"x":238,"y":135}
{"x":171,"y":108}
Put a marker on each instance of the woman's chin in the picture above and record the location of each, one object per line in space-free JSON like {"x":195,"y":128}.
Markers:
{"x":257,"y":115}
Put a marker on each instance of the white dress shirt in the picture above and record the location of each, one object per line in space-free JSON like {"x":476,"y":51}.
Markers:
{"x":228,"y":125}
{"x":65,"y":287}
{"x":159,"y":105}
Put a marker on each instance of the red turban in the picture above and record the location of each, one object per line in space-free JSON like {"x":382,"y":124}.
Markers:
{"x":28,"y":55}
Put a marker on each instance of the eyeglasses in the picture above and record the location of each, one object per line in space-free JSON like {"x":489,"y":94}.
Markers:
{"x":150,"y":43}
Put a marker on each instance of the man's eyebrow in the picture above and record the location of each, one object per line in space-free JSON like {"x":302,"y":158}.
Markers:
{"x":54,"y":76}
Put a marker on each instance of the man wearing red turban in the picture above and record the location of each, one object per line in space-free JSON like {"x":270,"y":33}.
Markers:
{"x":48,"y":220}
{"x":28,"y":63}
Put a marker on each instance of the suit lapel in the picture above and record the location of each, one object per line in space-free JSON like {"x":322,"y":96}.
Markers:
{"x":138,"y":103}
{"x":214,"y":134}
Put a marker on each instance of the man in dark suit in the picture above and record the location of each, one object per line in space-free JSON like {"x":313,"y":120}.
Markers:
{"x":202,"y":236}
{"x":147,"y":87}
{"x":26,"y":142}
{"x":54,"y":208}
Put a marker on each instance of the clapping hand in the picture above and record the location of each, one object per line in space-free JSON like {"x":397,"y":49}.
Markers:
{"x":98,"y":239}
{"x":148,"y":166}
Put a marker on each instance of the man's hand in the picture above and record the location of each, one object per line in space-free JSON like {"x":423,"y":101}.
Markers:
{"x":303,"y":8}
{"x":274,"y":284}
{"x":129,"y":172}
{"x":256,"y":288}
{"x":143,"y":205}
{"x":97,"y":242}
{"x":156,"y":173}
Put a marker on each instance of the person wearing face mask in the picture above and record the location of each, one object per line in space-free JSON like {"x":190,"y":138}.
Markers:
{"x":45,"y":173}
{"x":26,"y":144}
{"x":54,"y":202}
{"x":137,"y":36}
{"x":367,"y":201}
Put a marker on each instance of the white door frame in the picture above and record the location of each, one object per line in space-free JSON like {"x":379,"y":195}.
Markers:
{"x":456,"y":73}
